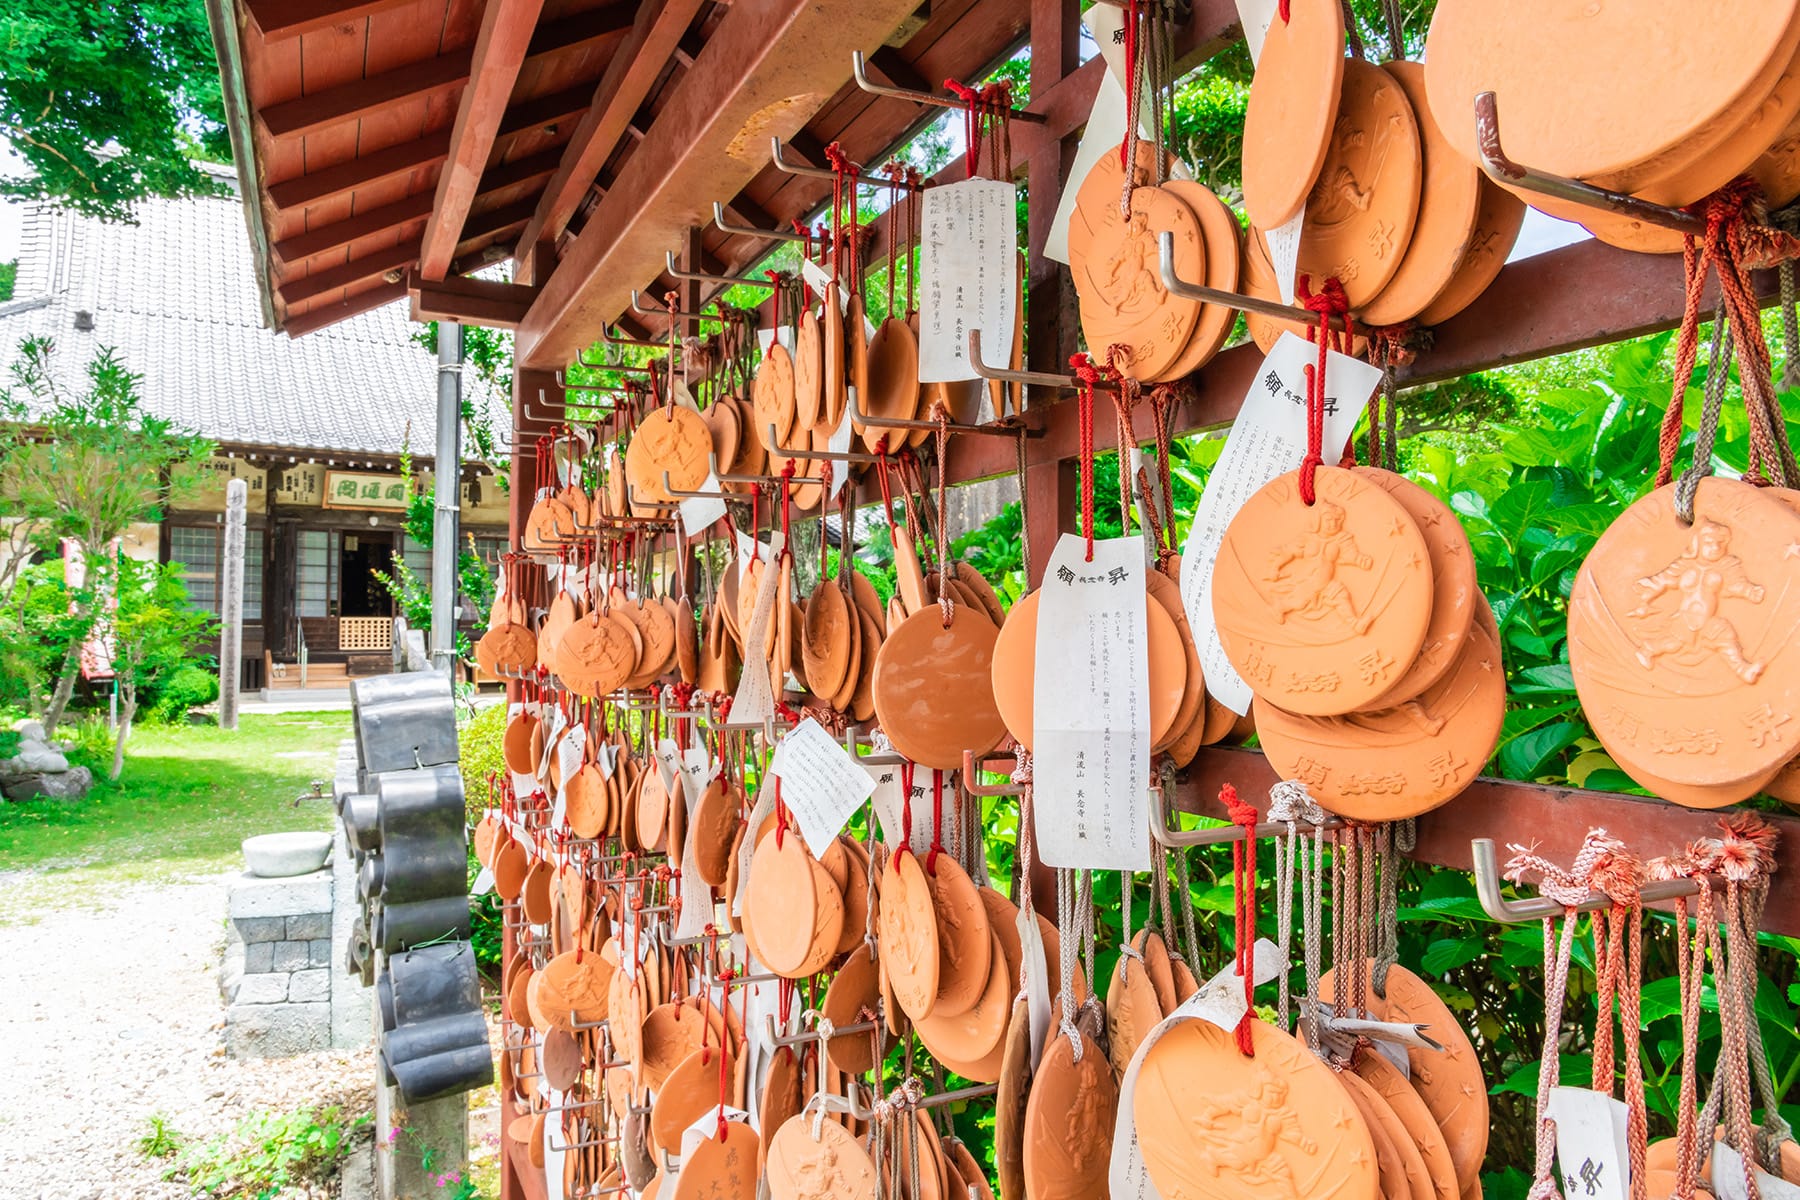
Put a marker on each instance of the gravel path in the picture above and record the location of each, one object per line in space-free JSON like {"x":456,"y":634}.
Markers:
{"x":112,"y":1015}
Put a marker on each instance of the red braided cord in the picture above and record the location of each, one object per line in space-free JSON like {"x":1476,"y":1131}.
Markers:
{"x":937,"y":821}
{"x":1086,"y":376}
{"x":1243,"y":881}
{"x":1328,"y":301}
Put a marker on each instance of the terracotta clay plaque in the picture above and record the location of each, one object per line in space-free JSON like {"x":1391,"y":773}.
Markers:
{"x":831,"y":1166}
{"x":1361,"y":212}
{"x":1212,"y":1122}
{"x":1322,"y":607}
{"x":1293,"y":105}
{"x":1497,"y":224}
{"x":1682,"y":638}
{"x":907,"y":922}
{"x":932,"y":690}
{"x":1123,"y":301}
{"x":1068,"y":1123}
{"x":1455,"y":591}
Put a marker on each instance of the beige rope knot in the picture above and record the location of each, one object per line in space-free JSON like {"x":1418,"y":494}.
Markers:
{"x":1567,"y":887}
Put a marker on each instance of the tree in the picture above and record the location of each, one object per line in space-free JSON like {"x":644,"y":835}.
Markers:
{"x":108,"y":102}
{"x":152,"y":631}
{"x":98,"y":464}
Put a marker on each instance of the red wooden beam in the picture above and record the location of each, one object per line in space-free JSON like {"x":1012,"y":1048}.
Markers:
{"x":364,"y":97}
{"x":582,"y":29}
{"x":343,"y":310}
{"x":506,"y":29}
{"x":282,"y":19}
{"x":1555,"y":819}
{"x":344,"y":178}
{"x":471,"y":301}
{"x":544,"y":111}
{"x":523,"y":170}
{"x":767,"y":66}
{"x":629,"y":76}
{"x":335,"y":236}
{"x":330,"y":279}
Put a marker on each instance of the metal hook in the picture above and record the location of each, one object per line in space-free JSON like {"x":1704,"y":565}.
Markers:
{"x":1177,"y":286}
{"x":779,"y":235}
{"x":860,"y":176}
{"x":1486,"y":865}
{"x":848,"y":456}
{"x":975,"y":788}
{"x":1034,"y":378}
{"x":558,"y":408}
{"x":811,"y":1035}
{"x":632,"y":501}
{"x":860,"y":419}
{"x":1504,"y":170}
{"x":853,"y":742}
{"x":1176,"y":839}
{"x":859,"y":69}
{"x":675,"y":272}
{"x":678,"y":314}
{"x":563,"y":383}
{"x":682,"y":494}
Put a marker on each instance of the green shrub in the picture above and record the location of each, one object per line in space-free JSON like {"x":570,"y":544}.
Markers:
{"x":481,"y":755}
{"x":186,"y":688}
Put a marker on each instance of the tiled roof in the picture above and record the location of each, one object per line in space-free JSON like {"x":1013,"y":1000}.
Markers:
{"x":175,"y":295}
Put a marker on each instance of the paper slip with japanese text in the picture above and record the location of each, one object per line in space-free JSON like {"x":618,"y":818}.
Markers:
{"x":1728,"y":1178}
{"x":1219,"y":1000}
{"x":1267,"y":439}
{"x":755,"y":699}
{"x":1591,"y":1143}
{"x":699,"y":513}
{"x":1091,"y":708}
{"x":821,"y":784}
{"x":968,"y":255}
{"x":889,"y":799}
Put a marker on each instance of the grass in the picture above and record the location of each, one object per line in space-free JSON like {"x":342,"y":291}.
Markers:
{"x":188,"y":796}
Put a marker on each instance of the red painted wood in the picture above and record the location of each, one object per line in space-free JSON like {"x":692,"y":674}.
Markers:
{"x":330,"y":314}
{"x":280,"y":19}
{"x":346,"y":177}
{"x":363,"y":97}
{"x":470,"y":301}
{"x":658,"y":27}
{"x":336,"y":236}
{"x":506,"y":32}
{"x":1552,"y":819}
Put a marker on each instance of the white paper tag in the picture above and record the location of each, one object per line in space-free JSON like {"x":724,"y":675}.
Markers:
{"x":759,"y":812}
{"x":668,"y":762}
{"x":555,"y":1146}
{"x":1284,"y":254}
{"x":755,"y":699}
{"x":820,"y":783}
{"x":819,"y":279}
{"x":889,"y":799}
{"x":1219,"y":1000}
{"x":525,"y":786}
{"x":1728,"y":1179}
{"x":969,"y":248}
{"x":1091,"y":708}
{"x":1267,"y":439}
{"x":698,"y":770}
{"x":696,"y":897}
{"x":707,"y":1127}
{"x":606,"y":757}
{"x":700,"y":513}
{"x":484,"y":883}
{"x":570,"y":751}
{"x":839,"y":443}
{"x":1256,"y":16}
{"x":1038,"y":973}
{"x":1590,"y":1144}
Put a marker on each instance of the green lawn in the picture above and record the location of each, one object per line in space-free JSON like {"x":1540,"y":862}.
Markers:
{"x":188,"y":796}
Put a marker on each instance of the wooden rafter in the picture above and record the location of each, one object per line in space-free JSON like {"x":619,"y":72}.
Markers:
{"x":282,"y":19}
{"x":506,"y":30}
{"x":582,"y":29}
{"x":364,"y":97}
{"x":544,"y":111}
{"x":346,"y":177}
{"x":629,"y":76}
{"x":338,"y":234}
{"x":764,"y":70}
{"x":471,"y":301}
{"x":331,"y":314}
{"x":523,"y":170}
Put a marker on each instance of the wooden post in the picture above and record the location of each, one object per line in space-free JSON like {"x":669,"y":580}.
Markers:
{"x":231,"y":602}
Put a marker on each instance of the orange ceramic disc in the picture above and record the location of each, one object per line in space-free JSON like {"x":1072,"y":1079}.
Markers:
{"x":1682,"y":638}
{"x":1123,"y":301}
{"x":893,"y":387}
{"x":1319,"y":607}
{"x":1360,"y":214}
{"x":1212,"y":1121}
{"x":802,"y":1167}
{"x":1222,"y":240}
{"x":1407,"y":1105}
{"x":1097,"y":200}
{"x":772,"y":395}
{"x":1449,"y":202}
{"x":1068,"y":1123}
{"x":1386,"y":764}
{"x":721,"y":1168}
{"x":964,"y":938}
{"x":1496,"y":229}
{"x":673,"y":439}
{"x":779,"y":901}
{"x":1293,"y":107}
{"x":907,"y":925}
{"x":1455,"y":590}
{"x":809,"y":373}
{"x":1612,"y":63}
{"x":932,"y":691}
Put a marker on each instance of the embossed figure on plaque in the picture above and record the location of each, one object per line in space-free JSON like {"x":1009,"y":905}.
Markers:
{"x":1703,"y":576}
{"x":1245,"y":1134}
{"x":1305,"y":579}
{"x":1130,"y":284}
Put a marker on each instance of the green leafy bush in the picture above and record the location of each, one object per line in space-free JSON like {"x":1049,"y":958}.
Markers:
{"x":481,"y":756}
{"x":186,"y":688}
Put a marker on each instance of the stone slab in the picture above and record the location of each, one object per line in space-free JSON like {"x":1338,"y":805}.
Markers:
{"x":260,"y":929}
{"x":319,"y":952}
{"x":308,"y":926}
{"x":270,"y":988}
{"x":306,"y":987}
{"x":259,"y":957}
{"x":290,"y":956}
{"x":352,"y":1004}
{"x":293,"y":896}
{"x":276,"y":1030}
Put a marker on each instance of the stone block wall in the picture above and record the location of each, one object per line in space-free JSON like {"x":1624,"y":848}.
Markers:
{"x":278,"y":981}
